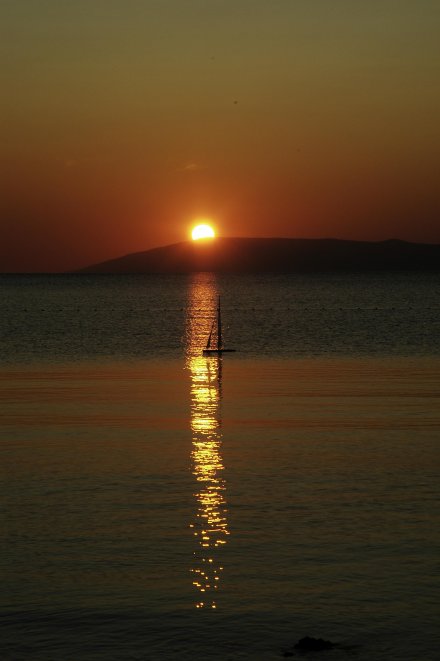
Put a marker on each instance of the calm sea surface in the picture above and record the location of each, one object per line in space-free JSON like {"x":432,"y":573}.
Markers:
{"x":157,"y":504}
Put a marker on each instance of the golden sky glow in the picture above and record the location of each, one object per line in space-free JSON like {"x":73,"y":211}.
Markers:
{"x":305,"y":119}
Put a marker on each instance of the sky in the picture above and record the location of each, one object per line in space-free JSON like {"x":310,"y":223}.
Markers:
{"x":125,"y":121}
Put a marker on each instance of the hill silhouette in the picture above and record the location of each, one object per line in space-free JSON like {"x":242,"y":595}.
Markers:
{"x":253,"y":255}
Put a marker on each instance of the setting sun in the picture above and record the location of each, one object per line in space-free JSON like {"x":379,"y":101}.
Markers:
{"x":202,"y":232}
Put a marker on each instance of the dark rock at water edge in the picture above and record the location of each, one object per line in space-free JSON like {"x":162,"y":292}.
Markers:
{"x":309,"y":644}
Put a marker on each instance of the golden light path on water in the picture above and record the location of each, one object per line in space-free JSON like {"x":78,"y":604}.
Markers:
{"x":210,"y":526}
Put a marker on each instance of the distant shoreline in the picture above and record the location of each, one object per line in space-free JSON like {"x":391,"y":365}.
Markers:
{"x":267,"y":255}
{"x":275,"y":255}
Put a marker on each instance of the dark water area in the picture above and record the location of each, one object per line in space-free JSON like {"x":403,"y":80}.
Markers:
{"x":73,"y":317}
{"x":158,"y":504}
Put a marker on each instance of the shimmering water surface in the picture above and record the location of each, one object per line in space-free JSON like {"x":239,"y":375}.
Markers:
{"x":158,"y":504}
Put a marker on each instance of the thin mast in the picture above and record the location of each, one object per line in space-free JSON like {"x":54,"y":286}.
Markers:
{"x":219,"y":327}
{"x":208,"y":344}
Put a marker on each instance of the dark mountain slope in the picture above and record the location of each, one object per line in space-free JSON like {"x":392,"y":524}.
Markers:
{"x":236,"y":255}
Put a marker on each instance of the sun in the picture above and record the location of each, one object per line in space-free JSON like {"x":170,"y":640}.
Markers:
{"x":202,"y":231}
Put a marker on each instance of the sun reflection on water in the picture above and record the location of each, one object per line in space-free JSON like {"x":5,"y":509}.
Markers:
{"x":210,"y":526}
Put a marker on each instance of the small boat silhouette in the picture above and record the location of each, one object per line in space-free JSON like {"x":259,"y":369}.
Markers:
{"x":216,"y":347}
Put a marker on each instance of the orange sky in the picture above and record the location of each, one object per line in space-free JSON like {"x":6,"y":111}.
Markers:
{"x":123,"y":121}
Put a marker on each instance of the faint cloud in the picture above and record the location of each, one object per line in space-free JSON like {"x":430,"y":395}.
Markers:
{"x":191,"y":166}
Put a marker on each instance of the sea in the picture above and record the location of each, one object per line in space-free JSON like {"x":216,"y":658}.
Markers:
{"x":158,"y":504}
